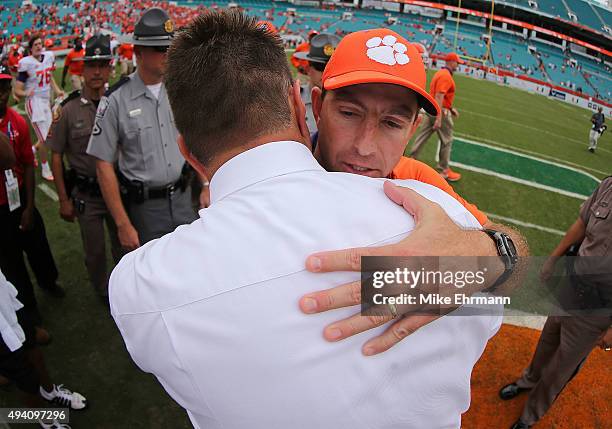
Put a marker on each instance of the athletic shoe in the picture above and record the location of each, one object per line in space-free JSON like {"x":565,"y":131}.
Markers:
{"x":592,"y":149}
{"x":451,"y":175}
{"x":46,"y":172}
{"x":64,"y":397}
{"x":53,"y":425}
{"x":510,"y":391}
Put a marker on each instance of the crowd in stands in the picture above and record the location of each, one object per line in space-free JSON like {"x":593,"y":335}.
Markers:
{"x":60,"y":22}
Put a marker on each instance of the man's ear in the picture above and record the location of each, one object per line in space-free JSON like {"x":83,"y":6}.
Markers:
{"x":191,"y":159}
{"x":316,"y":96}
{"x":299,"y":109}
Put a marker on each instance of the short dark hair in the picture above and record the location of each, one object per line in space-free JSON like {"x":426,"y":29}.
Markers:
{"x":227,"y":80}
{"x":33,"y":38}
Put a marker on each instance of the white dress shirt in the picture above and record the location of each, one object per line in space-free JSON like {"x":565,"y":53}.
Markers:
{"x":12,"y":334}
{"x":212,"y":308}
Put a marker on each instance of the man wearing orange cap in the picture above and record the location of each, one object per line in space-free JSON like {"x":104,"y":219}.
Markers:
{"x":442,"y":88}
{"x":373,"y":87}
{"x":354,"y":146}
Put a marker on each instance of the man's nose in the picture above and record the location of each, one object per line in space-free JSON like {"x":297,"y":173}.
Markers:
{"x":366,"y":141}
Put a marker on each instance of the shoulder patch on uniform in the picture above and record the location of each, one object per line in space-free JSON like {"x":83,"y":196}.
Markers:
{"x":71,"y":96}
{"x":117,"y":85}
{"x":102,"y":107}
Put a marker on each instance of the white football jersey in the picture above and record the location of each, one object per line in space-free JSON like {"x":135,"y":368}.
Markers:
{"x":39,"y":73}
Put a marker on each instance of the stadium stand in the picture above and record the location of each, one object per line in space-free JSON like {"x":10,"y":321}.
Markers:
{"x":585,"y":13}
{"x":508,"y":52}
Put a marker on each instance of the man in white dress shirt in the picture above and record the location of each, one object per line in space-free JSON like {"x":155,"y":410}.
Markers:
{"x":212,"y":308}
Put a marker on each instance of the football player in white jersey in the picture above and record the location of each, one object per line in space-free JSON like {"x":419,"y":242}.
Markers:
{"x":35,"y":82}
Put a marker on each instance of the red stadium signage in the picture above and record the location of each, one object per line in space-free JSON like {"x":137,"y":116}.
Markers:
{"x":507,"y":21}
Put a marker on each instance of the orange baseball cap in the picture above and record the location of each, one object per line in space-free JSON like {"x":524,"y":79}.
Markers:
{"x":452,"y":56}
{"x":378,"y":56}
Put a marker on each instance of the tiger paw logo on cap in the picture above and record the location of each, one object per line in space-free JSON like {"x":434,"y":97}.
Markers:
{"x":387,"y":50}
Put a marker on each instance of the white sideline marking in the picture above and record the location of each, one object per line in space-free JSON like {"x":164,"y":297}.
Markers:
{"x":518,"y":151}
{"x":48,"y":191}
{"x":558,"y":136}
{"x":517,"y":180}
{"x":512,"y":178}
{"x":556,"y":164}
{"x":526,"y":224}
{"x":522,"y":318}
{"x":514,"y":112}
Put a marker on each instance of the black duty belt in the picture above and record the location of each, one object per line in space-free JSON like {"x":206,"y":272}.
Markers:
{"x":166,"y":191}
{"x":82,"y":182}
{"x":135,"y":191}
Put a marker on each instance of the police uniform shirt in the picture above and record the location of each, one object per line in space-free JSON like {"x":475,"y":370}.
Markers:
{"x":596,"y":213}
{"x":137,"y":130}
{"x":305,"y":92}
{"x":72,"y":126}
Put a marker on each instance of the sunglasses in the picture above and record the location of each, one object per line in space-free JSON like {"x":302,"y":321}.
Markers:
{"x":160,"y":49}
{"x":320,"y":67}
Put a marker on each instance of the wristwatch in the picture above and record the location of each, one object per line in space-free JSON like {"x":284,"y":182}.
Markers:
{"x":507,"y":252}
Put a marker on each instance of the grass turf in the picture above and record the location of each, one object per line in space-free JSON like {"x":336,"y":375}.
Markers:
{"x":88,"y":354}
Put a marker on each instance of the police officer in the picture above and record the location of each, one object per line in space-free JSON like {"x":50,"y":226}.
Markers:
{"x":567,"y":340}
{"x":77,"y":188}
{"x":322,"y":47}
{"x":148,"y":194}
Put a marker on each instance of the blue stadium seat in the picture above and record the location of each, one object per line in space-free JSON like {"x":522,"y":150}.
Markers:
{"x":585,"y":13}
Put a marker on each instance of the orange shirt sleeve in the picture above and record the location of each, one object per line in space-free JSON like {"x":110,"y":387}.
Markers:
{"x":443,"y":84}
{"x":409,"y":168}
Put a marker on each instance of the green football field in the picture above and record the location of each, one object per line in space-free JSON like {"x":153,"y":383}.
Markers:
{"x":524,"y":162}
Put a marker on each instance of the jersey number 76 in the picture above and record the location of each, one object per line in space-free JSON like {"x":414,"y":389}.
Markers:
{"x":44,"y":76}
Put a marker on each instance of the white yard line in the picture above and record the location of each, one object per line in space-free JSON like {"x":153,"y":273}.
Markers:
{"x":526,"y":224}
{"x":562,"y":162}
{"x":517,"y":180}
{"x":535,"y":158}
{"x":46,"y":189}
{"x":522,"y":318}
{"x":513,"y":111}
{"x":558,"y":136}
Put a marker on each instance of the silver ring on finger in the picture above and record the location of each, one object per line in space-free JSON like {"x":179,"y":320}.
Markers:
{"x":392,"y":309}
